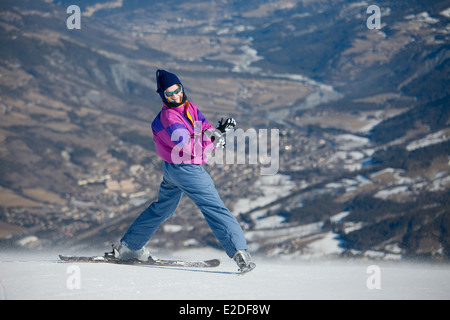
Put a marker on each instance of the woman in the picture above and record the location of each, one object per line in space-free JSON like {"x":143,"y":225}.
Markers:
{"x":182,"y":135}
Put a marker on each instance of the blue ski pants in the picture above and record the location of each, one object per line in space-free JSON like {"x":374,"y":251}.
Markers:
{"x":196,"y":183}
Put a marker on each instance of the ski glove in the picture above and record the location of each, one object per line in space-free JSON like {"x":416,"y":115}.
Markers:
{"x":224,"y":126}
{"x":216,"y":137}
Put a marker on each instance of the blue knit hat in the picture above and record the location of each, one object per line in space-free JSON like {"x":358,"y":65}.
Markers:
{"x":164,"y":80}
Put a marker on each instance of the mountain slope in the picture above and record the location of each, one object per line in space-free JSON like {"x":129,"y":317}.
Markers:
{"x":271,"y":280}
{"x":362,"y":118}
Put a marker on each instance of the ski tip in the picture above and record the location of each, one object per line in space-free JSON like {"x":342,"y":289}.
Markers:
{"x":213,"y":262}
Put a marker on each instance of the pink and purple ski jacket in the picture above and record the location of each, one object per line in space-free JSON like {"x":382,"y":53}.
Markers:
{"x":178,"y":134}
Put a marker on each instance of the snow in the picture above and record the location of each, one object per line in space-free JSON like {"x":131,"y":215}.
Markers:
{"x":284,"y":233}
{"x":431,"y":139}
{"x":172,"y":228}
{"x":271,"y":188}
{"x":269,"y":222}
{"x":445,"y":13}
{"x":386,"y":194}
{"x":329,"y":244}
{"x":351,"y":141}
{"x":339,"y":216}
{"x":41,"y":276}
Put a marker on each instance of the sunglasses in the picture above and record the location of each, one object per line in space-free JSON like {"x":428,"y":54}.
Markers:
{"x":170,"y":94}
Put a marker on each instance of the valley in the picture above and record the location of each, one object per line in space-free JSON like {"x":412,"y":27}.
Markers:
{"x":363,"y":120}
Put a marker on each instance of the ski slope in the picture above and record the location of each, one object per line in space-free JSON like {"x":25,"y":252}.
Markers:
{"x":41,"y":276}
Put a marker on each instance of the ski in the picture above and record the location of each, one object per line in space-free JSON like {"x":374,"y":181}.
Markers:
{"x":151,"y":262}
{"x":109,"y":257}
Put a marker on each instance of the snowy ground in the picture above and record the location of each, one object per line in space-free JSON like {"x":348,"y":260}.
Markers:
{"x":41,"y":276}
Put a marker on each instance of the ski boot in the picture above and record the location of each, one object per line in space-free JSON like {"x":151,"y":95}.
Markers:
{"x":244,"y":261}
{"x":109,"y":256}
{"x":124,"y":253}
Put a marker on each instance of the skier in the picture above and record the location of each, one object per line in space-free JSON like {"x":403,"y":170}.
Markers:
{"x":182,"y":135}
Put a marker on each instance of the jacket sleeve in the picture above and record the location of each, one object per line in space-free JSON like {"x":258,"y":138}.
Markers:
{"x":207,"y":144}
{"x":171,"y":136}
{"x":205,"y":123}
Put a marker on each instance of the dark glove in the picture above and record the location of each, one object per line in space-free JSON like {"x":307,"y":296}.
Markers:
{"x":216,"y":137}
{"x":226,"y":125}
